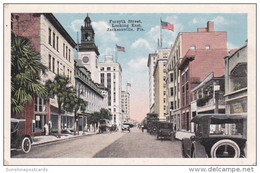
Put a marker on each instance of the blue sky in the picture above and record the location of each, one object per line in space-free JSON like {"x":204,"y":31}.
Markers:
{"x":138,"y":44}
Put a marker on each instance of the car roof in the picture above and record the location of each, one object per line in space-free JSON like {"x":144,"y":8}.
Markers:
{"x":218,"y":118}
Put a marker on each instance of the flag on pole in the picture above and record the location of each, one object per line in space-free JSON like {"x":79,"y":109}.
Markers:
{"x":120,"y":48}
{"x":167,"y":25}
{"x":128,"y":84}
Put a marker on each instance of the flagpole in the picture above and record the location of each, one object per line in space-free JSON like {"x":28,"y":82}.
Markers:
{"x":161,"y":31}
{"x":116,"y":54}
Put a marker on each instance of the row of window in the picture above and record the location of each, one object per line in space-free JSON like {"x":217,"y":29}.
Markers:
{"x":193,"y":47}
{"x":54,"y":42}
{"x":52,"y":67}
{"x":108,"y":68}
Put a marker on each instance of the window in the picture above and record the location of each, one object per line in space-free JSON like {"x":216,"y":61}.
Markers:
{"x":193,"y":47}
{"x":207,"y":47}
{"x":53,"y":39}
{"x":50,"y":62}
{"x":102,"y":79}
{"x":53,"y":65}
{"x":171,"y":77}
{"x":57,"y":46}
{"x":102,"y":69}
{"x":68,"y":73}
{"x":49,"y":36}
{"x":58,"y":67}
{"x":69,"y":55}
{"x":171,"y":105}
{"x":63,"y":70}
{"x":63,"y":50}
{"x":172,"y":93}
{"x":108,"y":68}
{"x":66,"y":55}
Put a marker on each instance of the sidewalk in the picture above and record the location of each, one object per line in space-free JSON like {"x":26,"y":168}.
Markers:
{"x":183,"y":134}
{"x":39,"y":140}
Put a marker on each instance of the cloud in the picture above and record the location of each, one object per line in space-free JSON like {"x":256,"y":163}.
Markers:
{"x":139,"y":43}
{"x":101,"y":31}
{"x":231,"y":46}
{"x":196,"y":21}
{"x":76,"y":25}
{"x":138,"y":64}
{"x":220,"y":20}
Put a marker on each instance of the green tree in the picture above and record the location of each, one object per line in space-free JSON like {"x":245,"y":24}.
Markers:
{"x":73,"y":104}
{"x":25,"y":69}
{"x":60,"y":89}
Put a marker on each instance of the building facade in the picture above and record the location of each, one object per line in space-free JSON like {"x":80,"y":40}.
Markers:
{"x":110,"y":76}
{"x":208,"y":97}
{"x":159,"y":76}
{"x":55,"y":47}
{"x":152,"y":58}
{"x":125,"y":103}
{"x":192,"y":54}
{"x":88,"y":91}
{"x":236,"y":82}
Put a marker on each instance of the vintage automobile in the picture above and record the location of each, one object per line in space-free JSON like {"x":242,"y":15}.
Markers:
{"x":216,"y":136}
{"x":152,"y":127}
{"x":125,"y":127}
{"x":165,"y":130}
{"x":19,"y":139}
{"x":104,"y":126}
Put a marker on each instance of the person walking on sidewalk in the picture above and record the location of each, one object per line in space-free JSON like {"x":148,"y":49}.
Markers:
{"x":50,"y":127}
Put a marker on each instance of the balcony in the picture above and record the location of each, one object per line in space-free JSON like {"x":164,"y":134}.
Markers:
{"x":208,"y":104}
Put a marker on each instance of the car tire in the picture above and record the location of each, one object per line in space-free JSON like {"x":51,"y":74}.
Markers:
{"x":228,"y":142}
{"x":26,"y":145}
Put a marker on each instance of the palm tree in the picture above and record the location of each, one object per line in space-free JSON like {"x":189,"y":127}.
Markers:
{"x":25,"y":69}
{"x":59,"y":88}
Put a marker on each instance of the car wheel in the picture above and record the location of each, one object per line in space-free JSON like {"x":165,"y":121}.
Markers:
{"x":225,"y":149}
{"x":26,"y":145}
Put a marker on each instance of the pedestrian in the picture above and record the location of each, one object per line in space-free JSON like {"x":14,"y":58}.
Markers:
{"x":46,"y":129}
{"x":50,"y":127}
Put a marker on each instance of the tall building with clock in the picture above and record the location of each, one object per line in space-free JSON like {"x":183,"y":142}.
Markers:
{"x":87,"y":49}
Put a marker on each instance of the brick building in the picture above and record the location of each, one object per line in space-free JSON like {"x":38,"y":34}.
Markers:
{"x":55,"y":47}
{"x":193,"y":56}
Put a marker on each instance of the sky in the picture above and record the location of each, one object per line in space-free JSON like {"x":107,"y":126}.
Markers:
{"x":138,"y":44}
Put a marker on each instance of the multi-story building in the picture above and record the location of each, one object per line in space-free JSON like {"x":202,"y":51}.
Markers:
{"x":208,"y":97}
{"x":159,"y":76}
{"x":204,"y":47}
{"x":110,"y":76}
{"x":88,"y":91}
{"x":152,"y":58}
{"x":55,"y":47}
{"x":236,"y":83}
{"x":125,"y":104}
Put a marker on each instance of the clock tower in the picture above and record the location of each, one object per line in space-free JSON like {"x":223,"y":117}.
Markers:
{"x":87,"y":49}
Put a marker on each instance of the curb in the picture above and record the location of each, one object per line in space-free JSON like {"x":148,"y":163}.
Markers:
{"x":61,"y":140}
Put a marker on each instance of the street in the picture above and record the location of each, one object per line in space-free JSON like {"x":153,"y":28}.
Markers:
{"x":110,"y":145}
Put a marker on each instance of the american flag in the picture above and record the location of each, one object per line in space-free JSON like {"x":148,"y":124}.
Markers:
{"x":167,"y":25}
{"x":120,"y":48}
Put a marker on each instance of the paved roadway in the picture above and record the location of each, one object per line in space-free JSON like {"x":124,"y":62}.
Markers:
{"x":115,"y":145}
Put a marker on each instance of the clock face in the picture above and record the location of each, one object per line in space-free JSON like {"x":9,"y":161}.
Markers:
{"x":85,"y":59}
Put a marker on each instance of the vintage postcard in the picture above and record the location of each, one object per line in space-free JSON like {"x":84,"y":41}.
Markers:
{"x":130,"y":84}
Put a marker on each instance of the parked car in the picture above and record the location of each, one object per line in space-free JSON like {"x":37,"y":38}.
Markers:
{"x":20,"y":140}
{"x":125,"y":127}
{"x":165,"y":130}
{"x":152,"y":127}
{"x":216,"y":136}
